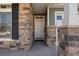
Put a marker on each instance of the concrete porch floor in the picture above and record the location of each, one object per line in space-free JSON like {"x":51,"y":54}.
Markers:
{"x":38,"y":49}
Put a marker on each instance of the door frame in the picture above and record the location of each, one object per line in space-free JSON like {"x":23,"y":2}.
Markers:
{"x":34,"y":25}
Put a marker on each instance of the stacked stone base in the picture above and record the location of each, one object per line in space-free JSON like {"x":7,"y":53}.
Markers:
{"x":13,"y":45}
{"x":51,"y":36}
{"x":69,"y":41}
{"x":25,"y":25}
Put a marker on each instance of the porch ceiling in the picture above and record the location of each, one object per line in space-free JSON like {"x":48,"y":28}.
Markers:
{"x":56,"y":5}
{"x":40,"y":8}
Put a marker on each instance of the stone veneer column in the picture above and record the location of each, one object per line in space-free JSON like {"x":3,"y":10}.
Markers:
{"x":25,"y":26}
{"x":51,"y":36}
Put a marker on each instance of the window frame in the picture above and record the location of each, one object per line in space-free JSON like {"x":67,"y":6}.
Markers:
{"x":7,"y":38}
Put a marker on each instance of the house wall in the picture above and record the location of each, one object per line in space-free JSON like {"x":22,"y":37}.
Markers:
{"x":25,"y":31}
{"x":51,"y":28}
{"x":68,"y":40}
{"x":69,"y":33}
{"x":74,"y":15}
{"x":71,"y":14}
{"x":52,"y":14}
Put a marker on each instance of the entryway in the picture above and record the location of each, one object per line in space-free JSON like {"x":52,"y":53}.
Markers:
{"x":39,"y":23}
{"x":40,"y":49}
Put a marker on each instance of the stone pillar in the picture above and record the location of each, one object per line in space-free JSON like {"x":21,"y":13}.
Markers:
{"x":50,"y":32}
{"x":25,"y":26}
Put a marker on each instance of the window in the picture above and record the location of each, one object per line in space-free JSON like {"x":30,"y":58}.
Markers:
{"x":59,"y":17}
{"x":5,"y":24}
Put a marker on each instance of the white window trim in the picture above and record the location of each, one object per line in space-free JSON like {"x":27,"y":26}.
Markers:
{"x":6,"y":39}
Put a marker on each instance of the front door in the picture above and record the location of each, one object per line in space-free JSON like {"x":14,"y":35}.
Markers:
{"x":39,"y":27}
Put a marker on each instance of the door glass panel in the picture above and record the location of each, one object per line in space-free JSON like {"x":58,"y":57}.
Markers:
{"x":59,"y":17}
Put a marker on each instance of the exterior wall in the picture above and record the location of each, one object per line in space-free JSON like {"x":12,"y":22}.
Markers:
{"x":68,"y":40}
{"x":71,"y":14}
{"x":51,"y":17}
{"x":25,"y":31}
{"x":74,"y":16}
{"x":52,"y":14}
{"x":51,"y":28}
{"x":69,"y":33}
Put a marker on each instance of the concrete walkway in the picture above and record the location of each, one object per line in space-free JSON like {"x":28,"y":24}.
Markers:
{"x":38,"y":49}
